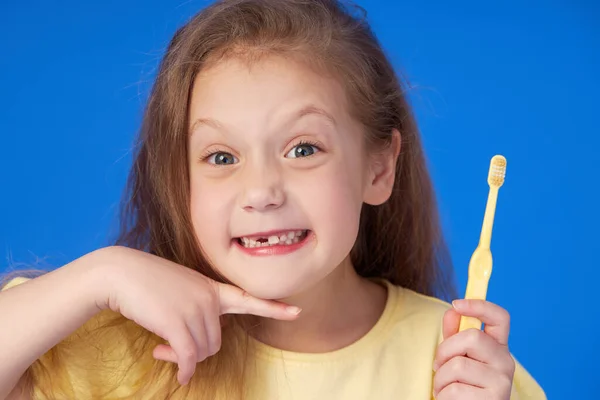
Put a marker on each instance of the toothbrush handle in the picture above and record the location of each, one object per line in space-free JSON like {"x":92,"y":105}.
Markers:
{"x":469,"y":323}
{"x":476,"y":289}
{"x":480,"y":271}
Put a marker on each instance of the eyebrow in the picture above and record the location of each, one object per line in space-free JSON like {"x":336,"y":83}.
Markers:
{"x":305,"y":111}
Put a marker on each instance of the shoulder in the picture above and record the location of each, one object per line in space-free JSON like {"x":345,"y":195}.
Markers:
{"x":421,"y":303}
{"x":104,"y":355}
{"x":10,"y":282}
{"x":420,"y":317}
{"x":414,"y":317}
{"x":416,"y":307}
{"x":107,"y":354}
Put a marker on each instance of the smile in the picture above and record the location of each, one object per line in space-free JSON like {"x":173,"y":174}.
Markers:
{"x":282,"y":238}
{"x":273,"y":243}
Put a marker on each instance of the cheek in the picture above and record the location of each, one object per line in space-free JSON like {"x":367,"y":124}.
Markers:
{"x":333,"y":200}
{"x":209,"y":212}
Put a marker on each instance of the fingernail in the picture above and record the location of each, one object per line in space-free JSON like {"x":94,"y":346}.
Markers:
{"x":436,"y":366}
{"x":457,"y":303}
{"x":293,"y":310}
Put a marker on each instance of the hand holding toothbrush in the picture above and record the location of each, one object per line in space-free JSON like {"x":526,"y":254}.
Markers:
{"x":474,"y":364}
{"x":471,"y":363}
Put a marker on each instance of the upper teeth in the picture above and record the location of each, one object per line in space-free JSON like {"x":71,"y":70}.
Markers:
{"x":282,"y":238}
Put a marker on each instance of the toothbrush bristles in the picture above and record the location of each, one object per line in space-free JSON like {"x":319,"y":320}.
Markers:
{"x":497,"y":171}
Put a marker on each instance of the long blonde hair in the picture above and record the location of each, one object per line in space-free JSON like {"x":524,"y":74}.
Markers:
{"x":400,"y":241}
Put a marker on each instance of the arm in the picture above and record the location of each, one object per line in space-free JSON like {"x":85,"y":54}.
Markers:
{"x":38,"y":314}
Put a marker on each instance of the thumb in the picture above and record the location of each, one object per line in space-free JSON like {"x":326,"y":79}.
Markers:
{"x":234,"y":300}
{"x":450,"y":323}
{"x":165,"y":353}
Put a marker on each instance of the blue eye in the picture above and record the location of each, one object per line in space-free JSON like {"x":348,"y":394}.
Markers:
{"x":302,"y":150}
{"x":222,"y":158}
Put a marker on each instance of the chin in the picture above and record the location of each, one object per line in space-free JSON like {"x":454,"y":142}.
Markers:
{"x":273,"y":292}
{"x":275,"y":288}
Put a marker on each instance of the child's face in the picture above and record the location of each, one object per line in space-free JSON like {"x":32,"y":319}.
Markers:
{"x":265,"y":162}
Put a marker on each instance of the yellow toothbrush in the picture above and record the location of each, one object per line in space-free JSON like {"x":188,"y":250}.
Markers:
{"x":480,"y":266}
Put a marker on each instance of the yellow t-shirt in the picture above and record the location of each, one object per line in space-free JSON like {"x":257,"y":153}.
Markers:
{"x":392,"y":361}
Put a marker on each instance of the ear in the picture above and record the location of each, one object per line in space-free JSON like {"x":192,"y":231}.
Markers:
{"x":382,"y":172}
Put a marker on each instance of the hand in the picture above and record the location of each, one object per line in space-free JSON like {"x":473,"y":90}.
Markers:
{"x":474,"y":364}
{"x":178,"y":304}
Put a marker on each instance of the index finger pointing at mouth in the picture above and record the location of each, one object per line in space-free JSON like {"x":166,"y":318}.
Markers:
{"x":495,"y":318}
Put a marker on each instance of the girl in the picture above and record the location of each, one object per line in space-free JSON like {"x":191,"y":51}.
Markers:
{"x":279,"y":178}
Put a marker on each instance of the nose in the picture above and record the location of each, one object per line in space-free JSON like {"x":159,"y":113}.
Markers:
{"x":263,"y":189}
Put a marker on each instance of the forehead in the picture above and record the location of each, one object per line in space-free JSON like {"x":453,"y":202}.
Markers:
{"x":239,"y":93}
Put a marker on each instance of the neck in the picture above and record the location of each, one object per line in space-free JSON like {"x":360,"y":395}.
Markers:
{"x":336,"y":312}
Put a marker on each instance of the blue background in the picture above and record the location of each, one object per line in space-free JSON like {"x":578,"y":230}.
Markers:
{"x":488,"y":77}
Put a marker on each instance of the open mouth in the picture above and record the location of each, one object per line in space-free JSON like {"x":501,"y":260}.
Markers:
{"x":282,"y":238}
